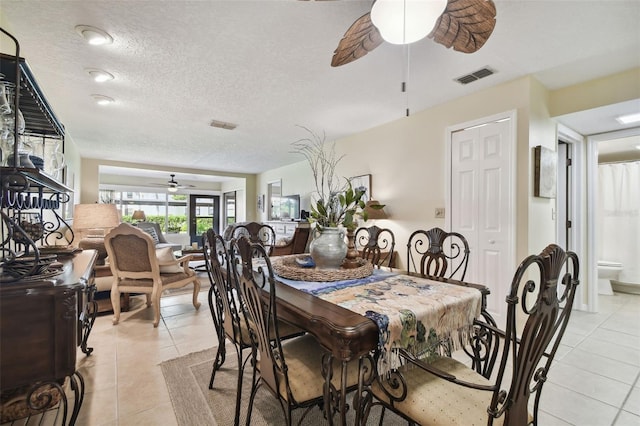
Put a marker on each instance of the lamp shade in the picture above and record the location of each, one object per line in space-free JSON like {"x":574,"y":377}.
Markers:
{"x":139,"y":215}
{"x":375,"y":213}
{"x":95,"y":216}
{"x":406,"y":21}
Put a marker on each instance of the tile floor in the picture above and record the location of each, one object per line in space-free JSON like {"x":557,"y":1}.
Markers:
{"x":594,"y":382}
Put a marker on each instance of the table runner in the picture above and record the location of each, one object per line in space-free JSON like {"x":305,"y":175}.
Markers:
{"x":423,"y":316}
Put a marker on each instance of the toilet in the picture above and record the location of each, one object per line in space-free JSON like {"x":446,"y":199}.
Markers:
{"x":607,"y":271}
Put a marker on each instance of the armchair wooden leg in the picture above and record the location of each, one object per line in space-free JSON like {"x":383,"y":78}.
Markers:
{"x":115,"y":303}
{"x":155,"y":296}
{"x":196,"y":291}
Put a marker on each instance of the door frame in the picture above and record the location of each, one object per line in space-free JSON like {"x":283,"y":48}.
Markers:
{"x":511,"y":115}
{"x":577,"y":201}
{"x":194,"y":237}
{"x":592,"y":196}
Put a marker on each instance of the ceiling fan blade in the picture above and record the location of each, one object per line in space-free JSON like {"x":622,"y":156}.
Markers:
{"x":361,"y":38}
{"x":465,"y":25}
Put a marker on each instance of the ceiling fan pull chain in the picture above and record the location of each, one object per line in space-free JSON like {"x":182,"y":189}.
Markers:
{"x":405,"y":83}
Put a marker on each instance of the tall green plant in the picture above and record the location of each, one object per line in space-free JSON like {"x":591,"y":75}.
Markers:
{"x":337,"y":203}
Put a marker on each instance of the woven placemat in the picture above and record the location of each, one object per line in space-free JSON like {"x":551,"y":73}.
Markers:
{"x":287,"y":267}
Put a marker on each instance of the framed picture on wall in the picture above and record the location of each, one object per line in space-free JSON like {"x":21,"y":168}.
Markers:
{"x":545,"y":173}
{"x":261,"y":203}
{"x":362,"y":182}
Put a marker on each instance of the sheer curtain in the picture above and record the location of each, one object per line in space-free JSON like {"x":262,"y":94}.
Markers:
{"x":619,"y":217}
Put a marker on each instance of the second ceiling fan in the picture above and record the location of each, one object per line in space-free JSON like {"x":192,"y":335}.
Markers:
{"x":464,"y":25}
{"x":172,"y":185}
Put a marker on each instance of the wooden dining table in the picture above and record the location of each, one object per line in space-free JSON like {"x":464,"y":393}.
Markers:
{"x":355,"y":318}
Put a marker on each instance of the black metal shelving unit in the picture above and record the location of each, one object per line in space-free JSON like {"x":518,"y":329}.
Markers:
{"x":30,"y":199}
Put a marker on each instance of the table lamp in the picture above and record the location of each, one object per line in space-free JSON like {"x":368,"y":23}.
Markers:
{"x":139,"y":216}
{"x":91,"y":222}
{"x":375,"y":213}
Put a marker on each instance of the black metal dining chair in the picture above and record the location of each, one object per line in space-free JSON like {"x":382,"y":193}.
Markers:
{"x":228,"y":316}
{"x":292,"y":369}
{"x":437,"y":253}
{"x":257,"y":232}
{"x":376,"y":245}
{"x":448,"y":392}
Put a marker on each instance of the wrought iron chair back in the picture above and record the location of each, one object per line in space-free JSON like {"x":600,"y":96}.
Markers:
{"x":436,"y":253}
{"x":257,"y":232}
{"x":376,"y":244}
{"x":272,"y":364}
{"x":300,"y":383}
{"x":228,"y":317}
{"x":539,"y":302}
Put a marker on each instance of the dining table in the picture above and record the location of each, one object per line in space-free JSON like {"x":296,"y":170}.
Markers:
{"x":370,"y":316}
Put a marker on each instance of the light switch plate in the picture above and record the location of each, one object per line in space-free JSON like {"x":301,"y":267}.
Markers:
{"x":439,"y":212}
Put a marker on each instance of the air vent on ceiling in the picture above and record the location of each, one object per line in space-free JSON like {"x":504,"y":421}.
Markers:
{"x":223,"y":125}
{"x":476,"y":75}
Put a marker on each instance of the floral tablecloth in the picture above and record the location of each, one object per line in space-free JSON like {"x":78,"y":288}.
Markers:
{"x":423,"y":316}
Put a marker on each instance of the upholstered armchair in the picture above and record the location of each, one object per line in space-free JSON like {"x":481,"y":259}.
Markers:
{"x":137,"y":268}
{"x":297,"y":245}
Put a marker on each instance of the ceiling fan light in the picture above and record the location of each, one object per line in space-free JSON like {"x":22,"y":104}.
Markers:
{"x":406,"y":21}
{"x":172,"y":189}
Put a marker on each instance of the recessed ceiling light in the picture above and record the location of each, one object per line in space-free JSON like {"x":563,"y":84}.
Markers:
{"x":94,"y":35}
{"x":629,"y":118}
{"x":637,"y":146}
{"x":99,"y":75}
{"x":103,"y":100}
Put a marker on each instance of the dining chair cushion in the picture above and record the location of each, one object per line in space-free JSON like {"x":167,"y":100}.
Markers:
{"x":165,"y":255}
{"x":432,"y":401}
{"x":286,"y":330}
{"x":303,"y":356}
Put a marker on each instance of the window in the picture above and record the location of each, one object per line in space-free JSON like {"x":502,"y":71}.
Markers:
{"x":166,"y":209}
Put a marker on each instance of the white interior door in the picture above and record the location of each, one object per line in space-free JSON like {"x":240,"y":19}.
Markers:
{"x":482,"y":204}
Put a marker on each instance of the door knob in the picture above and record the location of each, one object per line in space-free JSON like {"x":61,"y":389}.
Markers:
{"x":492,"y":241}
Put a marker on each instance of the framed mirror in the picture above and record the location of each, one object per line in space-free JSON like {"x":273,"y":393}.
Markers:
{"x":274,"y":195}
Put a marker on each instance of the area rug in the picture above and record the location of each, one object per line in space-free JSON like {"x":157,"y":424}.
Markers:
{"x":187,"y":379}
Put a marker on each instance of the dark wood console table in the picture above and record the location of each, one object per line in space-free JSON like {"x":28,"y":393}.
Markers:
{"x":42,"y":322}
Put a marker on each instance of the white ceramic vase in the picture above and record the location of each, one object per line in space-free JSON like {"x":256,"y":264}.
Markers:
{"x":328,"y":248}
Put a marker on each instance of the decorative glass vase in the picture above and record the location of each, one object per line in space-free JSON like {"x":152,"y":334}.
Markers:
{"x":328,"y":249}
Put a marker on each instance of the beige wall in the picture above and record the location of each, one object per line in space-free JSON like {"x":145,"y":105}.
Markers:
{"x":406,"y":157}
{"x":72,"y":161}
{"x":612,"y":89}
{"x":540,"y":218}
{"x":89,"y":190}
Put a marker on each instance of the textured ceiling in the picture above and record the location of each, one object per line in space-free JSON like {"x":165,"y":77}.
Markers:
{"x":265,"y":66}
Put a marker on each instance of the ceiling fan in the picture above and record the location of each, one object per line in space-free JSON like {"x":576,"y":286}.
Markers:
{"x":464,"y":25}
{"x":172,"y":185}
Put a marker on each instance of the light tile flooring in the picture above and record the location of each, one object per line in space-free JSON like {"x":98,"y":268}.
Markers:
{"x":594,"y":381}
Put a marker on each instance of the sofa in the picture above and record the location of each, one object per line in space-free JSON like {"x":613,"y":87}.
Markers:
{"x":154,"y":230}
